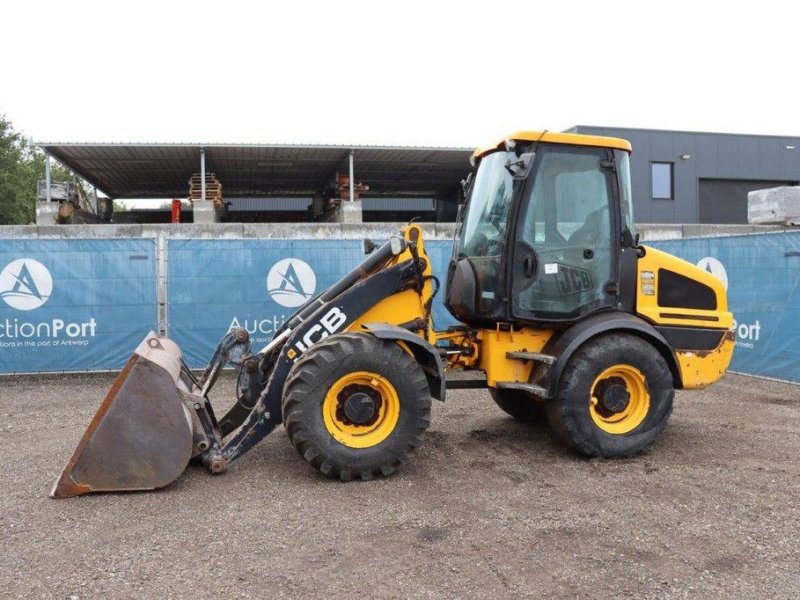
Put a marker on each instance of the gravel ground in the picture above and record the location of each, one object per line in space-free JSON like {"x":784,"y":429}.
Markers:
{"x":487,"y":508}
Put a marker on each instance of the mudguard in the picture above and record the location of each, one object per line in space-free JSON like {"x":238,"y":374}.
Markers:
{"x":426,"y":354}
{"x":564,"y":346}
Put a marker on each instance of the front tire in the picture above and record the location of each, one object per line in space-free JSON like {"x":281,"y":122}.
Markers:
{"x":355,"y":406}
{"x":614,"y":399}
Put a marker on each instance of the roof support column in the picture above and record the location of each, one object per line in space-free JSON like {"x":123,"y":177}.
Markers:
{"x":48,"y":191}
{"x":203,"y":211}
{"x":352,"y":182}
{"x":46,"y":211}
{"x":350,"y":212}
{"x":203,"y":174}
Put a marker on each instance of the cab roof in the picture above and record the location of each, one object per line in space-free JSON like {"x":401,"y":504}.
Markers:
{"x":555,"y":137}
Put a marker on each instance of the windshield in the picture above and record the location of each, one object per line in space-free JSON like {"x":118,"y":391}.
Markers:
{"x":486,"y":215}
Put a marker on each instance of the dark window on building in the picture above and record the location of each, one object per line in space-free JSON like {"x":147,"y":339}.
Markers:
{"x":661,"y":180}
{"x":725,"y":200}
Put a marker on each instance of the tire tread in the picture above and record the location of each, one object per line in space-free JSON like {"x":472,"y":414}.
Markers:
{"x":303,"y":381}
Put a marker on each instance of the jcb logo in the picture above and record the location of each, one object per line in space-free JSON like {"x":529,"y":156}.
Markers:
{"x":330,"y":323}
{"x":572,"y":280}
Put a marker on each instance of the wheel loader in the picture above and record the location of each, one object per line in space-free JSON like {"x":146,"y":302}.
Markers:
{"x":562,"y":314}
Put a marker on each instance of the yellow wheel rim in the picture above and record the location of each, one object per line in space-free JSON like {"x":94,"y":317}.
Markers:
{"x":361,"y":409}
{"x":618,"y":419}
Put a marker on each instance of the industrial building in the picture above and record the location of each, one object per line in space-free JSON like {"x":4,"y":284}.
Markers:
{"x":284,"y":183}
{"x":696,"y":177}
{"x":677,"y":177}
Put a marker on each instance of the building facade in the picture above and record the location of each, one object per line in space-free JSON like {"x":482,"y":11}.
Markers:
{"x":696,"y":177}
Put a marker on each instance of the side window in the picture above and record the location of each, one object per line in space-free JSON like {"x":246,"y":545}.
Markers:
{"x":580,"y":194}
{"x":565,"y":254}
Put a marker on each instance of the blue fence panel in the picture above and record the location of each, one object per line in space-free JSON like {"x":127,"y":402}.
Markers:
{"x":81,"y":304}
{"x":214,"y":285}
{"x":74,"y":304}
{"x":762,"y":273}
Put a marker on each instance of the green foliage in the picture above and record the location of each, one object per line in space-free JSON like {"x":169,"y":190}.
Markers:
{"x":21,"y":165}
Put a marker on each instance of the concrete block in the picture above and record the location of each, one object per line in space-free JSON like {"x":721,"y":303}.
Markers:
{"x":204,"y":212}
{"x":314,"y":231}
{"x":649,"y":233}
{"x":704,"y":230}
{"x":377,"y":232}
{"x":351,"y":212}
{"x":774,"y":205}
{"x":46,"y":212}
{"x":772,"y":228}
{"x":19,"y":231}
{"x":444,"y":231}
{"x":196,"y":230}
{"x":90,"y":231}
{"x":222,"y":230}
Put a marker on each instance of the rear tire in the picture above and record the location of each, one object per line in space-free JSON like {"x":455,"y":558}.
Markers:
{"x":519,"y":405}
{"x":355,"y":406}
{"x":614,"y":399}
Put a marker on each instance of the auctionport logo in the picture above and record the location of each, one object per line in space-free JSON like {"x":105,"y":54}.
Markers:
{"x":291,"y":282}
{"x":25,"y":284}
{"x":715,"y":267}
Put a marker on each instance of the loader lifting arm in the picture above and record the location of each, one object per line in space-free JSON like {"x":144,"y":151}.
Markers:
{"x":173,"y":405}
{"x":328,"y":318}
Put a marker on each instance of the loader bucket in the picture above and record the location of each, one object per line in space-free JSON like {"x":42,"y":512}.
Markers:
{"x":141,"y":436}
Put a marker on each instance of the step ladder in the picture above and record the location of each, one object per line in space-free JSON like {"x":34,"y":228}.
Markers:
{"x":537,"y":391}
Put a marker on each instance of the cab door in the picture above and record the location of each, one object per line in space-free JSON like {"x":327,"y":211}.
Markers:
{"x":565,"y":249}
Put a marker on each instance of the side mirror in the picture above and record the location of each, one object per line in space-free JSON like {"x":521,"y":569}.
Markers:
{"x":628,"y":240}
{"x":521,"y":167}
{"x":465,"y":185}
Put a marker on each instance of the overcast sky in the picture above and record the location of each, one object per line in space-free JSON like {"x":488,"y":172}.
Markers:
{"x":406,"y":73}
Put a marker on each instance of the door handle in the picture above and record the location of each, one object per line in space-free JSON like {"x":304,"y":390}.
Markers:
{"x":528,"y":267}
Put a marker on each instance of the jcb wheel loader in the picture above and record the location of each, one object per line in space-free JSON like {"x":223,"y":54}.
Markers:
{"x":560,"y":308}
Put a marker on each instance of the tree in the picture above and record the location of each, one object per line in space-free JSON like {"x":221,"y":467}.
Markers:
{"x":21,"y":165}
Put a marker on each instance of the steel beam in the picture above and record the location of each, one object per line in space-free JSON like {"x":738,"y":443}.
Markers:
{"x":203,"y":174}
{"x":352,"y":183}
{"x":47,"y":177}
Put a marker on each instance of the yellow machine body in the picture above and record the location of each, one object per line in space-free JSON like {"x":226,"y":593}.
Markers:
{"x":491,"y":347}
{"x":697,"y":368}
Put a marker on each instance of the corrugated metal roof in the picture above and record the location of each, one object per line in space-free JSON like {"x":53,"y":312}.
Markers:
{"x":163,"y":170}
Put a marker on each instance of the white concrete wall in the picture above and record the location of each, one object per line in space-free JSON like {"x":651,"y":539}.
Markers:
{"x":324,"y":231}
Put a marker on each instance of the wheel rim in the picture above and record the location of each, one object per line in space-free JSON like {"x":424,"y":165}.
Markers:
{"x":619,"y":399}
{"x":361,"y":409}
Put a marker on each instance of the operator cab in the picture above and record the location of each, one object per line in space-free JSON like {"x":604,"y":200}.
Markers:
{"x":544,"y":230}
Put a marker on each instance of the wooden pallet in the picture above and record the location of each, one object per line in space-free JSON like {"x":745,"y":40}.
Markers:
{"x":213,"y":189}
